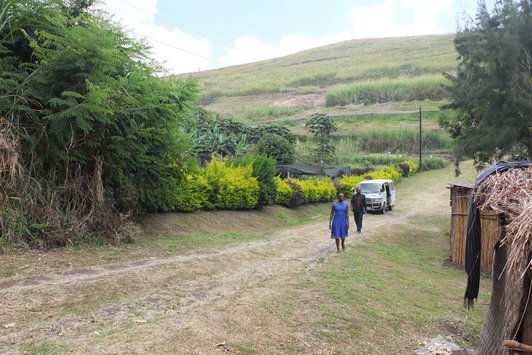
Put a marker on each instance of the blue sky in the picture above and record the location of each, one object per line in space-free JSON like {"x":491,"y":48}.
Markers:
{"x":188,"y":36}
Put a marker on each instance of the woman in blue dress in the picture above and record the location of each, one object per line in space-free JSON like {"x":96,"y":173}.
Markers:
{"x":339,"y":221}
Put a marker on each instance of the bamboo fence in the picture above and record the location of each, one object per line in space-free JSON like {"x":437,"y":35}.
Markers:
{"x":489,"y":225}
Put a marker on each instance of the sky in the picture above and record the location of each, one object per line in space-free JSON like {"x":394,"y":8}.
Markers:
{"x":196,"y":35}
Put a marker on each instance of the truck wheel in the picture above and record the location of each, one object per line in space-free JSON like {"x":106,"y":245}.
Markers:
{"x":390,"y":208}
{"x":383,"y":208}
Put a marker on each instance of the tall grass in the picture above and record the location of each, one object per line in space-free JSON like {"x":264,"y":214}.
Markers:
{"x":315,"y":79}
{"x":348,"y":154}
{"x":266,"y":113}
{"x":384,"y":90}
{"x":323,"y":67}
{"x":401,"y":141}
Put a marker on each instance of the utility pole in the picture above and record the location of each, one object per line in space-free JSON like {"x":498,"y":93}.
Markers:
{"x":420,"y":141}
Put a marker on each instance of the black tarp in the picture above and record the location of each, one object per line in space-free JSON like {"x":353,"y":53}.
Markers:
{"x":297,"y":170}
{"x":337,"y":172}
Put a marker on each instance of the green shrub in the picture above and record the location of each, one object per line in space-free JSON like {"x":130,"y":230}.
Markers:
{"x":264,"y":169}
{"x":414,"y":167}
{"x":233,"y":188}
{"x":277,"y":147}
{"x":285,"y":192}
{"x":348,"y":183}
{"x":316,"y":190}
{"x":390,"y":172}
{"x":433,"y":163}
{"x":193,"y":194}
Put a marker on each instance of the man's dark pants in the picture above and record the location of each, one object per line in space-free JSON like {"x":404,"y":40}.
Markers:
{"x":358,"y":219}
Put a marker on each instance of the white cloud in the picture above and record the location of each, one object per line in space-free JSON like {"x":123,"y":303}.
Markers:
{"x":250,"y":49}
{"x":182,"y":52}
{"x":175,"y":49}
{"x":393,"y":18}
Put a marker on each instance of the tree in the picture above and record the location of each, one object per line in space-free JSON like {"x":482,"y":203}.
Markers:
{"x":491,"y":90}
{"x":95,"y":130}
{"x":276,"y":147}
{"x":321,"y":126}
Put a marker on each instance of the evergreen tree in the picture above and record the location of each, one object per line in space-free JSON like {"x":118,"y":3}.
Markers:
{"x":491,"y":90}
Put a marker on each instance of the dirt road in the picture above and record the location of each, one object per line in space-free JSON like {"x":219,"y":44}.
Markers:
{"x":131,"y":307}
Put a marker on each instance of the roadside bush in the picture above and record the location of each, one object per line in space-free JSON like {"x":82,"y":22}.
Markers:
{"x":390,"y":172}
{"x":348,"y":183}
{"x":285,"y":192}
{"x":433,"y":163}
{"x":194,"y":194}
{"x":414,"y":167}
{"x":263,"y":168}
{"x":317,"y":190}
{"x":233,"y":188}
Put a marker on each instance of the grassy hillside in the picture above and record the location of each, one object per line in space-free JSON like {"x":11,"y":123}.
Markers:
{"x":318,"y":69}
{"x":373,"y":88}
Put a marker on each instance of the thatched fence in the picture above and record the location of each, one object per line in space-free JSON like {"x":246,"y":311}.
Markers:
{"x":460,"y":200}
{"x":505,"y":189}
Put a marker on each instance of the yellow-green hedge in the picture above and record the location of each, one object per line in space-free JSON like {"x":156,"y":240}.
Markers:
{"x":233,"y":188}
{"x":390,"y":172}
{"x":414,"y":167}
{"x":317,"y":190}
{"x":285,"y":192}
{"x":219,"y":187}
{"x":348,"y":183}
{"x":193,"y":193}
{"x":292,"y":192}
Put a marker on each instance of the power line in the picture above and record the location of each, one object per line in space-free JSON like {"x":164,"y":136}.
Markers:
{"x":178,"y":48}
{"x":191,"y":30}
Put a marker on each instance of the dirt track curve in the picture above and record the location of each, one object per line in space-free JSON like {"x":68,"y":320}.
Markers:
{"x":114,"y":296}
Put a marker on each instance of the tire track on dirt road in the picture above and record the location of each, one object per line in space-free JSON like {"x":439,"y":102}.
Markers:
{"x":196,"y":280}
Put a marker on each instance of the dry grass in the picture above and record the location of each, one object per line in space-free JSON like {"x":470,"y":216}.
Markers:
{"x":510,"y":193}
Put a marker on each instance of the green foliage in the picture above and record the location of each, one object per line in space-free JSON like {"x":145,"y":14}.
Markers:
{"x":293,"y":192}
{"x":233,"y":188}
{"x":390,"y":172}
{"x":413,"y":166}
{"x":226,"y":137}
{"x":276,"y":147}
{"x":491,"y":90}
{"x":405,"y":141}
{"x":322,"y":126}
{"x":284,"y":192}
{"x":405,"y":89}
{"x":93,"y":128}
{"x":316,"y":190}
{"x":433,"y":163}
{"x":264,"y":169}
{"x":193,"y":193}
{"x":350,"y":182}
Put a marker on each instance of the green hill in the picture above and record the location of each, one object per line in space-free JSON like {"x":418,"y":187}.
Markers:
{"x":405,"y":69}
{"x":373,"y":89}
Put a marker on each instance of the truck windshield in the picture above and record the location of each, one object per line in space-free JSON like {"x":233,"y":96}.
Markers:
{"x":370,"y":188}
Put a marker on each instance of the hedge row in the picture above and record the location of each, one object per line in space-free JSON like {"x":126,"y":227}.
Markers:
{"x":293,"y":192}
{"x":222,"y":186}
